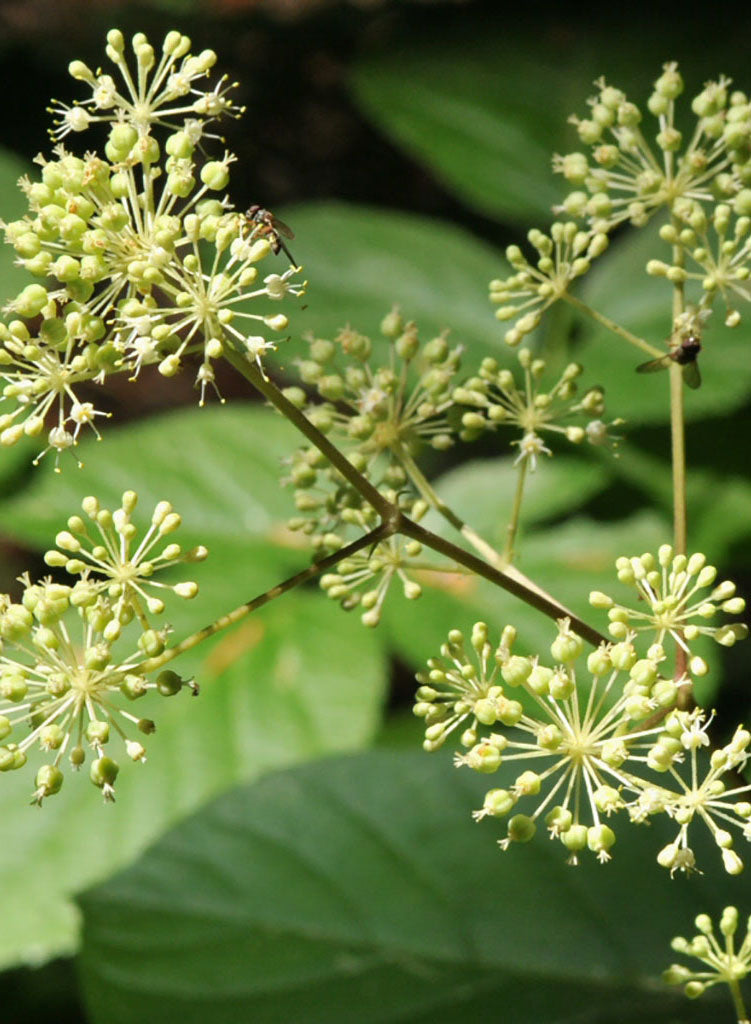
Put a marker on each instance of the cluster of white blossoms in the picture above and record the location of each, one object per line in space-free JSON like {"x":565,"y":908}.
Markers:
{"x":496,"y":400}
{"x":138,"y":254}
{"x":589,"y":738}
{"x":633,"y":165}
{"x":75,"y":657}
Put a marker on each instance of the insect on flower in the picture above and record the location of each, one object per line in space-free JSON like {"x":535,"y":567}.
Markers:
{"x":685,"y":353}
{"x":265,"y":223}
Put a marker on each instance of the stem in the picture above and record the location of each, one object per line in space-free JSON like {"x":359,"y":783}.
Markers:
{"x":426,"y":490}
{"x":678,"y":446}
{"x":511,"y":583}
{"x":678,"y":454}
{"x":271,"y":392}
{"x":740,"y":1007}
{"x":498,"y":561}
{"x":611,"y":325}
{"x":382,"y":531}
{"x":508,"y":551}
{"x":394,"y":520}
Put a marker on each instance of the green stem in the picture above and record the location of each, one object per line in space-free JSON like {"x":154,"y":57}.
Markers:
{"x":678,"y":448}
{"x":394,"y":519}
{"x":498,"y":561}
{"x":678,"y":456}
{"x":511,"y":582}
{"x":737,"y":996}
{"x":271,"y":392}
{"x":382,"y":531}
{"x":513,"y":525}
{"x":611,"y":325}
{"x":425,"y":488}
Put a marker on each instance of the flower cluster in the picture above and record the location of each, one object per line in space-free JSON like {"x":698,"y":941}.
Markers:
{"x":496,"y":400}
{"x":627,"y":173}
{"x":670,"y":603}
{"x":108,"y":555}
{"x":74,"y":657}
{"x":584,"y":740}
{"x":717,"y":251}
{"x":380,"y":408}
{"x":142,"y":256}
{"x":723,"y":963}
{"x":564,"y":255}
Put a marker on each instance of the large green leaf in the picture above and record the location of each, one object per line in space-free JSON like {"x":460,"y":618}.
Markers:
{"x":361,"y":260}
{"x":219,"y":466}
{"x":359,"y":889}
{"x":274,"y":689}
{"x":465,"y":115}
{"x":481,"y":492}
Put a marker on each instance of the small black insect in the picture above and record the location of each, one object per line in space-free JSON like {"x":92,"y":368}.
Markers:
{"x":685,"y":353}
{"x":267,"y":224}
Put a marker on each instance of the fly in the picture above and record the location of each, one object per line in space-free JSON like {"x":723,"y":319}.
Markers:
{"x":267,"y":224}
{"x":685,"y":353}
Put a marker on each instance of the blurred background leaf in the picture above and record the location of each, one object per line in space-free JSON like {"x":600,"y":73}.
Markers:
{"x":359,"y":888}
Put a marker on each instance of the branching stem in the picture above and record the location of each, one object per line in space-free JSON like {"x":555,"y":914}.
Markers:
{"x":611,"y":325}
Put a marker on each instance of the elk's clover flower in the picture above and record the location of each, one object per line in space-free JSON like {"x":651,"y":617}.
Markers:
{"x":562,"y":256}
{"x":65,"y":691}
{"x":140,"y":256}
{"x":574,"y":731}
{"x":723,"y":961}
{"x":716,"y":253}
{"x":497,"y":400}
{"x":632,"y":167}
{"x":164,"y":91}
{"x":669,"y":589}
{"x":108,"y":555}
{"x":700,"y":796}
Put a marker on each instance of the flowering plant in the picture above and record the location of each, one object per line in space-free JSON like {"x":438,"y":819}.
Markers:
{"x":140,"y":260}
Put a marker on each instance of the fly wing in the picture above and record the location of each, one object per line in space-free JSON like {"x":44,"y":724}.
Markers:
{"x":691,"y":375}
{"x":653,"y":365}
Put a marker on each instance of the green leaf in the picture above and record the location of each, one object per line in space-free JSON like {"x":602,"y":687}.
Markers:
{"x":488,"y":140}
{"x":481,"y":492}
{"x":362,"y":260}
{"x":359,"y":889}
{"x":619,"y":287}
{"x":274,"y":689}
{"x":12,"y":206}
{"x":219,"y":466}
